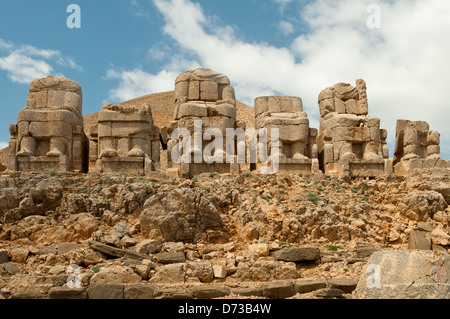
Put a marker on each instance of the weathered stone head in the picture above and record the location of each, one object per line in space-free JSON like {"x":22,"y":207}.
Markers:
{"x":203,"y":93}
{"x":344,"y":98}
{"x":55,"y":93}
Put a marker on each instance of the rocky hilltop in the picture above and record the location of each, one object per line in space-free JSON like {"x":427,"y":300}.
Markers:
{"x":277,"y":236}
{"x":98,"y":207}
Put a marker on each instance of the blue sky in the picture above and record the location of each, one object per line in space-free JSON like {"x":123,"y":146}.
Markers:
{"x":129,"y":48}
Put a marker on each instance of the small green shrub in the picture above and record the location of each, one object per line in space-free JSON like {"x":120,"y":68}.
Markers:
{"x":335,"y":248}
{"x":314,"y":198}
{"x":96,"y":269}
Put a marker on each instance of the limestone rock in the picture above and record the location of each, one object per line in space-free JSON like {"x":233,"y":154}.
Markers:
{"x":278,"y":290}
{"x":440,"y":237}
{"x":67,"y":293}
{"x":179,"y":215}
{"x":419,"y":240}
{"x":297,"y":254}
{"x":210,"y":292}
{"x":140,"y":291}
{"x":306,"y":286}
{"x":105,"y":292}
{"x":405,"y":275}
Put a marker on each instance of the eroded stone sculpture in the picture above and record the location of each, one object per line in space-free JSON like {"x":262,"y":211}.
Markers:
{"x":416,"y":147}
{"x":350,"y":142}
{"x":297,"y":141}
{"x":49,"y":134}
{"x":124,"y":140}
{"x":207,"y":96}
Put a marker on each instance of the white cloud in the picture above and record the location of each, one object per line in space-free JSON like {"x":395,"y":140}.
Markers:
{"x":3,"y":145}
{"x":282,"y":4}
{"x":405,"y":63}
{"x":286,"y":27}
{"x":25,"y":63}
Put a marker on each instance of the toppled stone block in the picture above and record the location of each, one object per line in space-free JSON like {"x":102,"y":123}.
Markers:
{"x":278,"y":290}
{"x":307,"y":286}
{"x":419,"y":240}
{"x":67,"y":293}
{"x":417,"y":274}
{"x":105,"y":292}
{"x":210,"y":292}
{"x":297,"y":254}
{"x":139,"y":292}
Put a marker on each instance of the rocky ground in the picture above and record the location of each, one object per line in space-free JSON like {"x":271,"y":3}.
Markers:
{"x":246,"y":236}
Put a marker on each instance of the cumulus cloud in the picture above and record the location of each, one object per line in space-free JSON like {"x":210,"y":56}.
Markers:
{"x":405,"y":62}
{"x":24,"y":63}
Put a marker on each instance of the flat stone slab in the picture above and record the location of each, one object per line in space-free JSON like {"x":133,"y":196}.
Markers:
{"x":172,"y":294}
{"x":297,"y":254}
{"x":67,"y":293}
{"x":248,"y":292}
{"x":210,"y":292}
{"x":171,"y":258}
{"x":105,"y":292}
{"x":306,"y":286}
{"x":346,"y":285}
{"x":278,"y":290}
{"x":139,"y":292}
{"x":405,"y":274}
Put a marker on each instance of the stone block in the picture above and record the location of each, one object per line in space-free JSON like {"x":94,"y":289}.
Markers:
{"x":210,"y":292}
{"x":278,"y":290}
{"x":209,"y":91}
{"x":307,"y":286}
{"x":37,"y":100}
{"x":182,"y":90}
{"x":346,"y":285}
{"x":351,"y":106}
{"x":327,"y":106}
{"x":222,"y":110}
{"x":139,"y":292}
{"x":248,"y":292}
{"x":194,"y":91}
{"x":419,"y":240}
{"x":67,"y":293}
{"x":192,"y":110}
{"x":417,"y":274}
{"x":106,"y":292}
{"x":171,"y":258}
{"x":297,"y":254}
{"x":261,"y":105}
